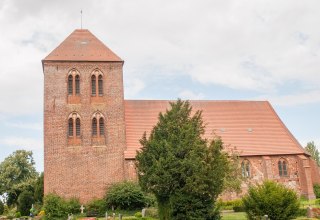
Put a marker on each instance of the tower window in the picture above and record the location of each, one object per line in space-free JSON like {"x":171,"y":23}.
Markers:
{"x":282,"y":166}
{"x":70,"y":84}
{"x":78,"y":127}
{"x":100,"y":85}
{"x":70,"y":127}
{"x":245,"y":168}
{"x":101,"y":126}
{"x":93,"y":85}
{"x":94,"y":127}
{"x":77,"y":84}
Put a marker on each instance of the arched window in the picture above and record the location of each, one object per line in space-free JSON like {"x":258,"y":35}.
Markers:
{"x":100,"y":85}
{"x":94,"y":127}
{"x":78,"y":127}
{"x":101,"y":126}
{"x":70,"y":127}
{"x":93,"y":85}
{"x":245,"y":168}
{"x":70,"y":84}
{"x":77,"y":84}
{"x":282,"y":166}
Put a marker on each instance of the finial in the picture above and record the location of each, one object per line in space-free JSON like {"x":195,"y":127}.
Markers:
{"x":81,"y":18}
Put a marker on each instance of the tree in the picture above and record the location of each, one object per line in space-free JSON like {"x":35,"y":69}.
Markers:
{"x":272,"y":199}
{"x":313,"y":151}
{"x":38,"y":189}
{"x":17,"y":174}
{"x":25,"y":201}
{"x":184,"y":171}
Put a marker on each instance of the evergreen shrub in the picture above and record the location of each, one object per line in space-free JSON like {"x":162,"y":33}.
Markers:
{"x":25,"y":201}
{"x":55,"y":207}
{"x":272,"y":199}
{"x":126,"y":196}
{"x":96,"y":208}
{"x":73,"y":206}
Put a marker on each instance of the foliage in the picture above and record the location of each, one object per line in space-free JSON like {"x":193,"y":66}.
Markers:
{"x":72,"y":206}
{"x":18,"y":214}
{"x":96,"y":207}
{"x":313,"y":151}
{"x":54,"y":207}
{"x":152,"y":212}
{"x":38,"y":189}
{"x":25,"y":201}
{"x":316,"y":189}
{"x":272,"y":199}
{"x":1,"y":207}
{"x":185,"y":172}
{"x":125,"y":195}
{"x":302,"y":212}
{"x":231,"y":204}
{"x":17,"y":174}
{"x":138,"y":214}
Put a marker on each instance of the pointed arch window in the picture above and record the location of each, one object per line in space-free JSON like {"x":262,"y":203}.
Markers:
{"x":77,"y":84}
{"x":94,"y":127}
{"x":100,"y":85}
{"x":101,"y":126}
{"x":245,"y":169}
{"x":78,"y":127}
{"x":70,"y":84}
{"x":70,"y":127}
{"x":282,"y":166}
{"x":93,"y":85}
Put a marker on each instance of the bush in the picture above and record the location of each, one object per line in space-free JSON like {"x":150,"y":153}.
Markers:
{"x":138,"y":215}
{"x":317,"y":202}
{"x":55,"y":207}
{"x":272,"y":199}
{"x":316,"y":189}
{"x":302,"y":212}
{"x":96,"y":208}
{"x":73,"y":206}
{"x":152,"y":212}
{"x":25,"y":201}
{"x":1,"y":207}
{"x":125,"y":195}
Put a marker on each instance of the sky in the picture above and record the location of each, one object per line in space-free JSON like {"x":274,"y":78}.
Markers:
{"x":204,"y":49}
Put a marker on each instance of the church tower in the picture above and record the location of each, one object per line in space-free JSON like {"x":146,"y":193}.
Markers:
{"x":84,"y":125}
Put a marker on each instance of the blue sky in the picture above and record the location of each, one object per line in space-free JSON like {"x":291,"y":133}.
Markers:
{"x":206,"y":49}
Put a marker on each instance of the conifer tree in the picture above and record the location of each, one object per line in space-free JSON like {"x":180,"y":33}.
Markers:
{"x":185,"y":171}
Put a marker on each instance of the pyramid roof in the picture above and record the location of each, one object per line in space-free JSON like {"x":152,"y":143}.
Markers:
{"x":82,"y":45}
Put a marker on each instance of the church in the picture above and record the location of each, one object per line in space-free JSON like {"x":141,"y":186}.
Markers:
{"x":91,"y":133}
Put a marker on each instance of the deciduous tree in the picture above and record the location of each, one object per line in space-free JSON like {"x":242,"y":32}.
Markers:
{"x":313,"y":151}
{"x":17,"y":174}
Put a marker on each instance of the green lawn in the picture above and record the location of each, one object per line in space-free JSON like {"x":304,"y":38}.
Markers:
{"x":234,"y":216}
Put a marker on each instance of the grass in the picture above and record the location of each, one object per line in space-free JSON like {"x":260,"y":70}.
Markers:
{"x":234,"y":216}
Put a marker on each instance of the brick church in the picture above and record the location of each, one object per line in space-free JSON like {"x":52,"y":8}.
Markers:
{"x":91,"y":133}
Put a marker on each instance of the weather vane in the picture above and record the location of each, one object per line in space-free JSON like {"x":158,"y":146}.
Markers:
{"x":81,"y":18}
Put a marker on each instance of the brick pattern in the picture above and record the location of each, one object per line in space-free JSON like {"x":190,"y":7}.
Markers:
{"x":82,"y":169}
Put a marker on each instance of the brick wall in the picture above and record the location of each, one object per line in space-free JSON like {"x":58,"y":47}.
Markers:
{"x":82,"y":169}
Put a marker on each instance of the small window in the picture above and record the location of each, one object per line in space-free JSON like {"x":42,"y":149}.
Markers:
{"x":245,"y":168}
{"x":101,"y":126}
{"x":70,"y":85}
{"x":77,"y":84}
{"x":70,"y":127}
{"x":282,"y":166}
{"x":78,"y":127}
{"x":100,"y":85}
{"x":94,"y":127}
{"x":93,"y":85}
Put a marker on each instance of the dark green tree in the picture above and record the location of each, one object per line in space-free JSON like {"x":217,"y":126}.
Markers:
{"x":1,"y":207}
{"x":272,"y":199}
{"x":17,"y":174}
{"x":38,"y":189}
{"x":185,"y":171}
{"x":25,"y":201}
{"x":313,"y":151}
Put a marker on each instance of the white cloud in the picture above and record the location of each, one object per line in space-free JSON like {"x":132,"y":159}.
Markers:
{"x":189,"y":95}
{"x":23,"y":143}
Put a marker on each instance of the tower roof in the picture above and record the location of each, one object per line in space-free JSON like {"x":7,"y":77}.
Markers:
{"x":82,"y":45}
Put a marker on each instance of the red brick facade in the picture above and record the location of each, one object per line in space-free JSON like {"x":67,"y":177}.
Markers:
{"x":83,"y":155}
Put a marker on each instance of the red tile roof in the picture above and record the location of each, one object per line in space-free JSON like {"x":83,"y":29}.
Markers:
{"x":252,"y":127}
{"x":82,"y":45}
